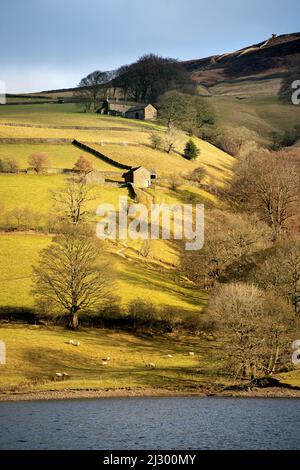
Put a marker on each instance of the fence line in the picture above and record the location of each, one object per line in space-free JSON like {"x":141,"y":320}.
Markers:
{"x":100,"y":155}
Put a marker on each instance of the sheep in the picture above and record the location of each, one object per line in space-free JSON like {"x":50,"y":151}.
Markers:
{"x":150,"y":365}
{"x":71,"y":341}
{"x":169,"y":355}
{"x":104,"y":363}
{"x":77,"y":343}
{"x":105,"y":359}
{"x":191,"y":353}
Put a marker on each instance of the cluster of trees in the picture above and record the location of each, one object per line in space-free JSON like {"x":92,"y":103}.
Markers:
{"x":287,"y":139}
{"x":149,"y":77}
{"x":142,"y":81}
{"x":250,"y":263}
{"x":37,"y":161}
{"x":186,"y":111}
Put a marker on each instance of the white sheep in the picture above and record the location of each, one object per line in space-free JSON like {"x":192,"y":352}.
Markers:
{"x":105,"y":359}
{"x":150,"y":365}
{"x":169,"y":355}
{"x":77,"y":343}
{"x":71,"y":341}
{"x":191,"y":353}
{"x":104,"y":363}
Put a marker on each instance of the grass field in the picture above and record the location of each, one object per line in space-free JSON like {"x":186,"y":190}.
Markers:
{"x":63,"y":115}
{"x":17,"y":255}
{"x":34,"y":192}
{"x":135,"y":278}
{"x":261,"y":114}
{"x":35,"y":354}
{"x":217,"y":163}
{"x":59,"y":156}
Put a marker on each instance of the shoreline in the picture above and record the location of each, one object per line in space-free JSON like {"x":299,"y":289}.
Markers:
{"x":269,"y":392}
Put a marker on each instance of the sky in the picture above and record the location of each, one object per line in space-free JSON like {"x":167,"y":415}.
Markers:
{"x":51,"y":44}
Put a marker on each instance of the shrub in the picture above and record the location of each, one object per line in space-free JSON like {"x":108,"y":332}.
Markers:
{"x":9,"y":166}
{"x":156,"y":140}
{"x":197,"y":175}
{"x":191,"y":150}
{"x":83,"y":165}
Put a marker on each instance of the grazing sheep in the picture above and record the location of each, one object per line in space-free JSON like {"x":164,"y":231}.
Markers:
{"x":65,"y":374}
{"x":105,"y":359}
{"x":71,"y":341}
{"x":169,"y":355}
{"x":77,"y":343}
{"x":104,"y":363}
{"x":191,"y":353}
{"x":150,"y":365}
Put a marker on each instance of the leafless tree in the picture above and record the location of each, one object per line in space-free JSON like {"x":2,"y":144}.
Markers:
{"x":70,"y":277}
{"x":280,"y":271}
{"x":38,"y":161}
{"x":83,"y":165}
{"x":268,"y":184}
{"x":229,"y":240}
{"x":254,"y":328}
{"x":72,"y":200}
{"x":92,"y":88}
{"x":171,"y":138}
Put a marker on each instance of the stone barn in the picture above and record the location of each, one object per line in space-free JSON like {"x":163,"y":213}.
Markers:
{"x":140,"y":177}
{"x":145,"y":112}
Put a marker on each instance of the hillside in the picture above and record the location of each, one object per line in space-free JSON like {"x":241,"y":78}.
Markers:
{"x":252,"y":68}
{"x":123,"y":140}
{"x":242,"y":86}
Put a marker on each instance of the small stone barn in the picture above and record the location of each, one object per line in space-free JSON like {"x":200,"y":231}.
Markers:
{"x":140,"y":177}
{"x":145,"y":112}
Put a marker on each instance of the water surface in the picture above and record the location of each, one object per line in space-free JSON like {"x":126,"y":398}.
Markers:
{"x":151,"y":423}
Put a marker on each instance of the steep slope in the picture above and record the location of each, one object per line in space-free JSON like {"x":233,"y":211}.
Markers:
{"x":259,"y":65}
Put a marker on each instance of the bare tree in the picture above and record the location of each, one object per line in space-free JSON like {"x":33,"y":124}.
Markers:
{"x":268,"y":184}
{"x":38,"y":161}
{"x":254,"y":328}
{"x":171,"y":138}
{"x":230,"y":240}
{"x":92,"y":88}
{"x":197,"y":175}
{"x":83,"y":165}
{"x":72,"y":200}
{"x":70,"y":278}
{"x":280,"y":271}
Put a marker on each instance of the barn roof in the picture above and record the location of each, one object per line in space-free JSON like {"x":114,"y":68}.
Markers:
{"x":140,"y":107}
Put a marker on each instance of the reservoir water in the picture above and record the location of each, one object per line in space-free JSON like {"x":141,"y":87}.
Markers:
{"x":151,"y":423}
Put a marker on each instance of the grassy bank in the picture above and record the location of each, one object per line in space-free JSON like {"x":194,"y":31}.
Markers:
{"x":36,"y":353}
